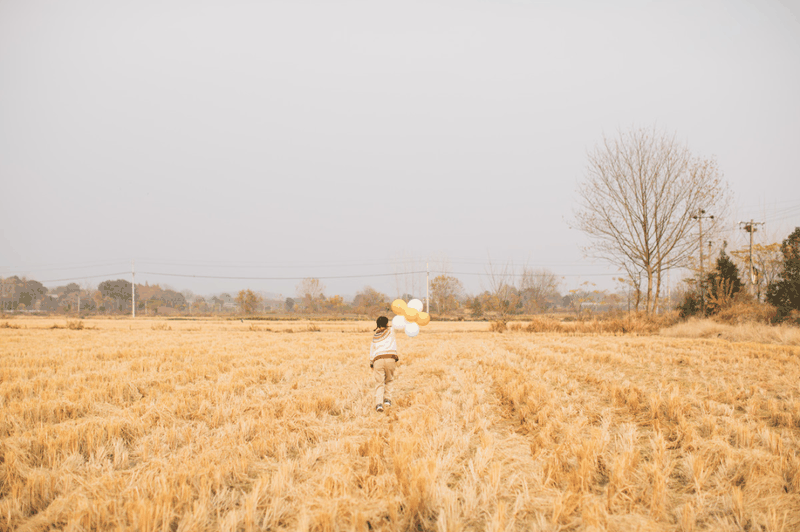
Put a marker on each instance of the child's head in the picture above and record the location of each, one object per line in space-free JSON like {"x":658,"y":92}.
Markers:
{"x":382,"y":322}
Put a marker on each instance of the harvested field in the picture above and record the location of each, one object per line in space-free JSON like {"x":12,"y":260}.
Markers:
{"x":224,"y":425}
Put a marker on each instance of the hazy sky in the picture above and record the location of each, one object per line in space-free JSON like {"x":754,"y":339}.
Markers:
{"x":300,"y":138}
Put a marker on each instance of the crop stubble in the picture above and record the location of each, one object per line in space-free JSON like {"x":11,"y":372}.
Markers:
{"x":221,"y":425}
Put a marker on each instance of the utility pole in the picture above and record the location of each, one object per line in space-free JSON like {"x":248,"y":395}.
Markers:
{"x":750,"y":227}
{"x":133,"y":287}
{"x":427,"y":289}
{"x":669,"y":292}
{"x":699,"y":217}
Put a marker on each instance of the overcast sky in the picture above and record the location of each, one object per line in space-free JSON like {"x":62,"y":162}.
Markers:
{"x":300,"y":138}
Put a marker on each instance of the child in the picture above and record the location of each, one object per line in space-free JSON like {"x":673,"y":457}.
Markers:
{"x":382,"y":360}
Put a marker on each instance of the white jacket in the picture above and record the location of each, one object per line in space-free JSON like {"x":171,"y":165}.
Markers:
{"x":384,"y":345}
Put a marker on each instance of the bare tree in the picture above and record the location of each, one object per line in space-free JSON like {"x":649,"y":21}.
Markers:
{"x":502,"y":290}
{"x":248,"y":301}
{"x":370,"y":302}
{"x":311,"y":293}
{"x":535,"y":287}
{"x":638,"y":200}
{"x":445,"y":292}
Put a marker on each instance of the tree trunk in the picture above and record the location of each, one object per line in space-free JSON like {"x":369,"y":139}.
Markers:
{"x":658,"y":291}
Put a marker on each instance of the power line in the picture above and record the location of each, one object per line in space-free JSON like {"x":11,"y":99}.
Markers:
{"x":222,"y":264}
{"x":777,"y":217}
{"x":763,"y":204}
{"x":280,"y":278}
{"x":82,"y":278}
{"x":279,"y":265}
{"x":532,"y":274}
{"x":325,"y":277}
{"x":275,"y":265}
{"x":61,"y":268}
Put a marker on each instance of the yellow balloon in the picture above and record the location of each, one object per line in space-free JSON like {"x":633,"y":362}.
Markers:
{"x":423,"y":319}
{"x":411,"y":314}
{"x":398,"y":306}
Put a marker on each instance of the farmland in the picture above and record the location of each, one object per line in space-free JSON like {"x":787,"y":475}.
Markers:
{"x":224,"y":425}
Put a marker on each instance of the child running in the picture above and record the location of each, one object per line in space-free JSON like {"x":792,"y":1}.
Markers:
{"x":383,"y":360}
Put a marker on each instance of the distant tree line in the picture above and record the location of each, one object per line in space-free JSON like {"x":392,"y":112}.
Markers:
{"x":507,"y":293}
{"x":535,"y":292}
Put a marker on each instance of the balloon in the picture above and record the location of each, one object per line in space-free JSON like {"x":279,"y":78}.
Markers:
{"x":423,"y":319}
{"x":411,"y":314}
{"x":416,"y":304}
{"x":398,"y":323}
{"x":398,"y":305}
{"x":412,"y":329}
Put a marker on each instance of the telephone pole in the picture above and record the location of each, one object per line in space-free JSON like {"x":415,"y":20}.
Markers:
{"x":699,"y":217}
{"x":133,"y":287}
{"x":751,"y":228}
{"x":427,"y":289}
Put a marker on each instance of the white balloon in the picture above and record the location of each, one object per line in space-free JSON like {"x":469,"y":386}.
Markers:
{"x":399,"y":323}
{"x":412,"y":329}
{"x":416,"y":304}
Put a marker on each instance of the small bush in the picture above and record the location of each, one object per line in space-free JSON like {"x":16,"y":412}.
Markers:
{"x":6,"y":325}
{"x":617,"y":323}
{"x":690,"y":306}
{"x":75,"y":325}
{"x":544,"y":324}
{"x":498,"y":326}
{"x":313,"y":327}
{"x":745,"y":312}
{"x":160,"y":327}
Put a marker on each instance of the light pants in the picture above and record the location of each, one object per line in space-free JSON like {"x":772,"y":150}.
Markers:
{"x":383,"y":370}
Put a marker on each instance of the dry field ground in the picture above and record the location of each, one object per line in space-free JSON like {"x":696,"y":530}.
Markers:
{"x":220,"y":425}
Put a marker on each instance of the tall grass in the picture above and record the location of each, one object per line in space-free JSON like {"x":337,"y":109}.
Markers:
{"x":127,"y":426}
{"x":630,"y":323}
{"x":744,"y":332}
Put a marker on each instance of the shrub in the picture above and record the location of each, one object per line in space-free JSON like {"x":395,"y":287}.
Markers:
{"x":75,"y":325}
{"x":784,"y":293}
{"x":476,"y":308}
{"x":690,"y":306}
{"x":615,"y":323}
{"x":746,"y":311}
{"x":498,"y":326}
{"x":543,"y":324}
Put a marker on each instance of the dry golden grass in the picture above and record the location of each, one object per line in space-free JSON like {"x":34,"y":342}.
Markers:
{"x":744,"y":332}
{"x":219,"y":425}
{"x":631,"y":323}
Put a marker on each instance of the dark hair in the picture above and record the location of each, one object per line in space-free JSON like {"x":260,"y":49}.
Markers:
{"x":382,"y":322}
